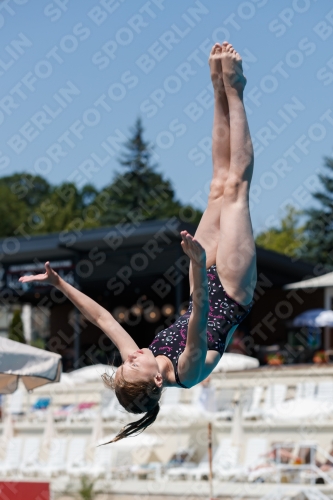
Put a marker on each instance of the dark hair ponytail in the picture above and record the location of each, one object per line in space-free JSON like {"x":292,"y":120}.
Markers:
{"x":139,"y":426}
{"x":135,"y":397}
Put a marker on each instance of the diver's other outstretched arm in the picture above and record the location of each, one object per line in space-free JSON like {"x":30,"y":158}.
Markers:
{"x":100,"y":317}
{"x":90,"y":309}
{"x":192,"y":360}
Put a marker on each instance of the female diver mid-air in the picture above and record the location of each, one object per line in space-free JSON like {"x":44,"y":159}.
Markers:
{"x":222,"y":251}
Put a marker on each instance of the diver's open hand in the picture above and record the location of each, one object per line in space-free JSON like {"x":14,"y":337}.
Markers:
{"x":193,"y":249}
{"x":49,"y":276}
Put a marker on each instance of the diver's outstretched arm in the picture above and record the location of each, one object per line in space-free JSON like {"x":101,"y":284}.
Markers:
{"x":192,"y":360}
{"x":90,"y":309}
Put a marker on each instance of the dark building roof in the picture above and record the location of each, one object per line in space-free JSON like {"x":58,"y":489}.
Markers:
{"x":156,"y":242}
{"x":70,"y":242}
{"x":281,"y":268}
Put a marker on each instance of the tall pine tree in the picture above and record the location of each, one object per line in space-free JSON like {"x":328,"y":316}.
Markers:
{"x":318,"y":247}
{"x":140,"y":192}
{"x":30,"y":204}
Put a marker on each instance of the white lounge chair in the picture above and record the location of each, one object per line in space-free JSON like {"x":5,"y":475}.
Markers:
{"x":108,"y":409}
{"x":313,"y":494}
{"x":255,"y":452}
{"x":305,"y":390}
{"x":114,"y":411}
{"x":196,"y":394}
{"x":224,"y":404}
{"x":76,"y":454}
{"x":251,"y":407}
{"x":99,"y":467}
{"x":224,"y":457}
{"x":107,"y":403}
{"x":11,"y":463}
{"x":56,"y":462}
{"x":254,"y":455}
{"x":181,"y":471}
{"x":204,"y":397}
{"x":275,"y":395}
{"x":182,"y":458}
{"x":122,"y":461}
{"x":175,"y":413}
{"x":325,"y":392}
{"x":103,"y":461}
{"x":30,"y":457}
{"x":171,"y":396}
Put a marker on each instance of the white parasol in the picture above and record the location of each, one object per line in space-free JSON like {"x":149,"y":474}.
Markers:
{"x":35,"y":367}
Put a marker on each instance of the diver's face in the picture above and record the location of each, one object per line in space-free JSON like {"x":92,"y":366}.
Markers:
{"x":140,"y":365}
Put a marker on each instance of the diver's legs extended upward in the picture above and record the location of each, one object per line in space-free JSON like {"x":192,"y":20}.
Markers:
{"x":236,"y":255}
{"x":209,"y":228}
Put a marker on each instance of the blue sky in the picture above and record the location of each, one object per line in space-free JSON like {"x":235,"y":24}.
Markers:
{"x":75,"y":75}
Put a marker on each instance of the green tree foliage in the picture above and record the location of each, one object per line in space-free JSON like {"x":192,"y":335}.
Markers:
{"x":141,"y":193}
{"x":28,"y":188}
{"x":16,"y":328}
{"x":287,"y":238}
{"x":64,"y":208}
{"x":30,"y":205}
{"x":20,"y":196}
{"x":12,"y":211}
{"x":86,"y":489}
{"x":318,"y":246}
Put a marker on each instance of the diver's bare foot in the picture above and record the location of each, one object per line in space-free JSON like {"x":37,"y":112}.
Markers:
{"x":215,"y":64}
{"x":232,"y":70}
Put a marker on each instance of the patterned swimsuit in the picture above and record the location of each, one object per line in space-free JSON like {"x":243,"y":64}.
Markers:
{"x":224,"y":314}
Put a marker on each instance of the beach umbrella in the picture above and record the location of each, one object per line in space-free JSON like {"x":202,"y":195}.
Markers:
{"x":35,"y":367}
{"x":235,"y":362}
{"x":314,"y":318}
